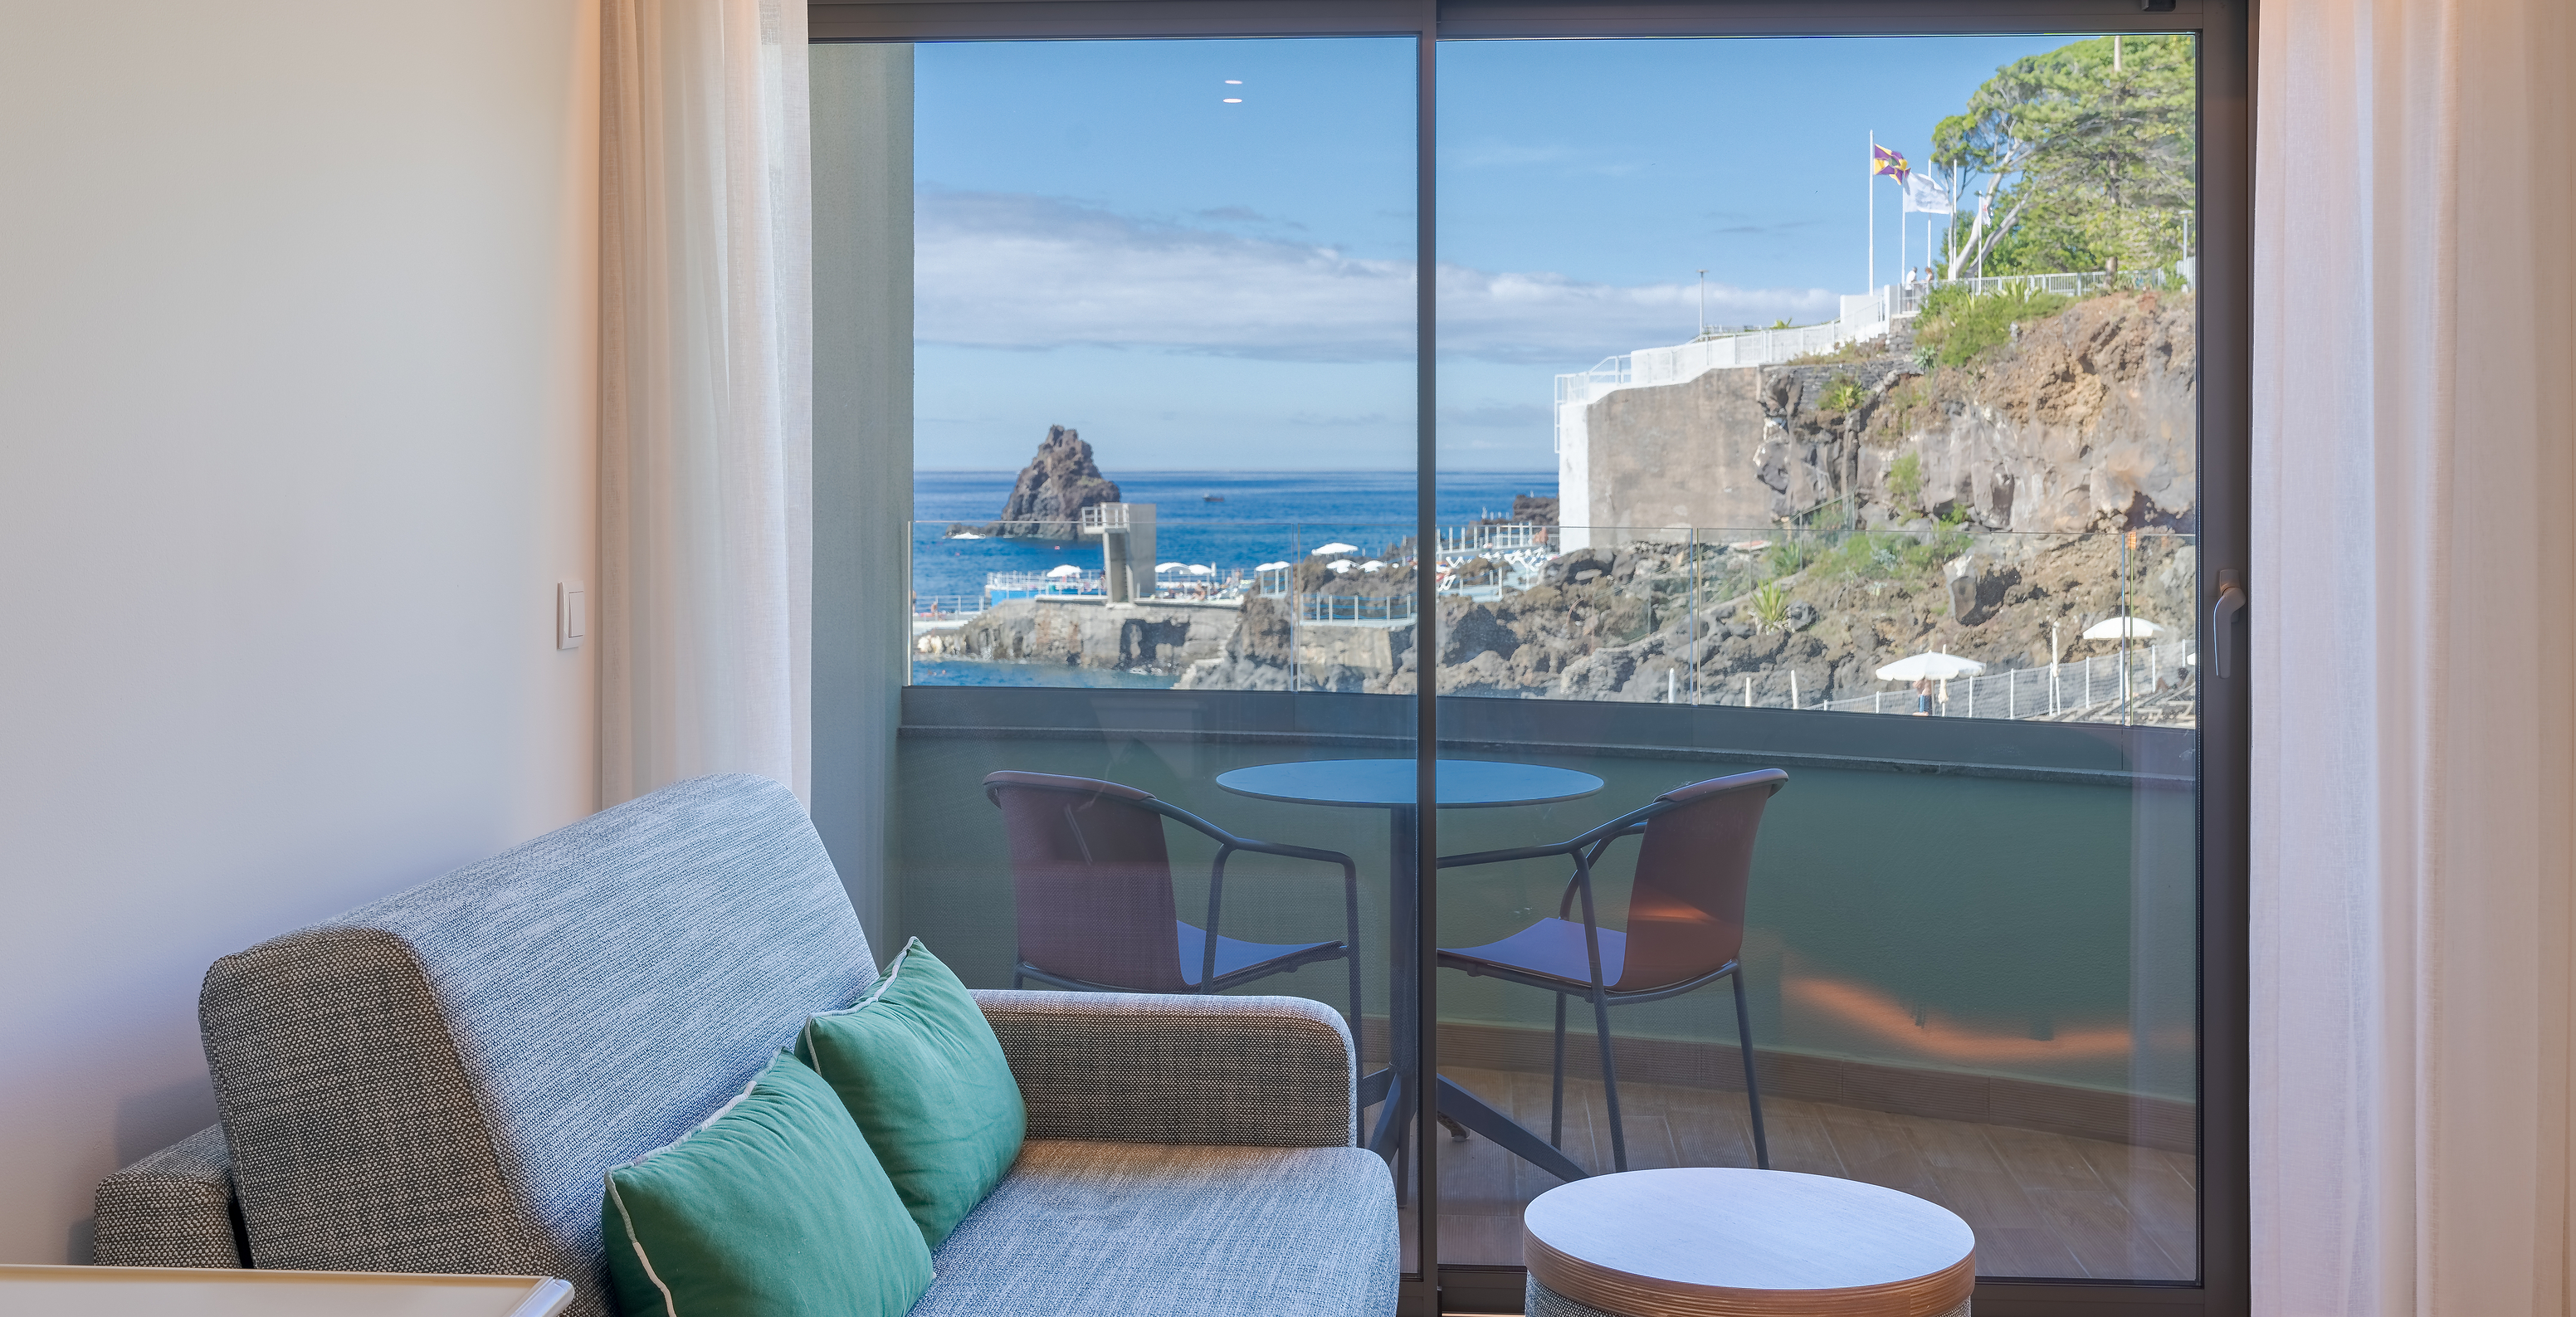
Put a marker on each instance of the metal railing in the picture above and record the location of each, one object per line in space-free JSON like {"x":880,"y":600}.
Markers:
{"x":1354,"y":607}
{"x":1909,"y":297}
{"x":2143,"y":675}
{"x":946,"y":605}
{"x":1489,"y":538}
{"x":1028,"y":585}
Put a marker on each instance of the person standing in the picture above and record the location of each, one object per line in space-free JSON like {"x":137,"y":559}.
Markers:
{"x":1922,"y":697}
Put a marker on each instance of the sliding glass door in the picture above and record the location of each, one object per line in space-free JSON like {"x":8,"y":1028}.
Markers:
{"x":1687,"y":542}
{"x":1853,"y":384}
{"x":1157,"y":560}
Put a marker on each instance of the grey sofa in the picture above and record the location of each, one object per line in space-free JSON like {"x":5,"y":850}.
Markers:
{"x":436,"y":1082}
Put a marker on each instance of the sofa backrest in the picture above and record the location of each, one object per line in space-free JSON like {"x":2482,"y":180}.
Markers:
{"x":436,"y":1082}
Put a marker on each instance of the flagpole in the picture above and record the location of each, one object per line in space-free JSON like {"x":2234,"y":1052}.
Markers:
{"x":1873,"y":211}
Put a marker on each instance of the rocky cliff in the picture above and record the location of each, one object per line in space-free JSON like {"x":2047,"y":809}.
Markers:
{"x":1650,"y":619}
{"x":2086,"y":419}
{"x":1047,"y":501}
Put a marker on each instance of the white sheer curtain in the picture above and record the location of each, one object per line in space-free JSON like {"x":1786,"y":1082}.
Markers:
{"x":703,"y":609}
{"x":2412,"y":592}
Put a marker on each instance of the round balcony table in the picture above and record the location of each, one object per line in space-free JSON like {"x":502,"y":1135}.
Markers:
{"x":1390,"y":785}
{"x":1712,"y":1242}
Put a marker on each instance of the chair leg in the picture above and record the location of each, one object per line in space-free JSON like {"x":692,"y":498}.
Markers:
{"x":1015,"y":980}
{"x":1610,"y":1083}
{"x":1352,"y":954}
{"x":1556,"y":1099}
{"x":1752,"y":1086}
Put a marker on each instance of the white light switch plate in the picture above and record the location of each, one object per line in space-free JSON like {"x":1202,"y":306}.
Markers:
{"x":572,"y":615}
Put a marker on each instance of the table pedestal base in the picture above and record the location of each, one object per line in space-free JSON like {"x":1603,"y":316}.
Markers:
{"x":1545,"y":1302}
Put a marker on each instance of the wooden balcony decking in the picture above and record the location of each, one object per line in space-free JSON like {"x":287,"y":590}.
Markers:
{"x":2042,"y":1204}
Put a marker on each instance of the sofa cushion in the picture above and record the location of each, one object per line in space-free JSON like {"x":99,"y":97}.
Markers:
{"x":436,"y":1081}
{"x":772,"y":1208}
{"x":925,"y":1079}
{"x":1105,"y":1229}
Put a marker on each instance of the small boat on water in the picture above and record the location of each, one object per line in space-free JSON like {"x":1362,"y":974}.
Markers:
{"x":964,"y":535}
{"x":1211,"y":498}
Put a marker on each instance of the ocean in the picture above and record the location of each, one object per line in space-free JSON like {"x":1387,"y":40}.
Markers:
{"x":1266,"y":516}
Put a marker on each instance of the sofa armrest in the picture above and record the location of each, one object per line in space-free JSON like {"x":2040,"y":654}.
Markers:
{"x":1144,"y":1068}
{"x":174,"y":1208}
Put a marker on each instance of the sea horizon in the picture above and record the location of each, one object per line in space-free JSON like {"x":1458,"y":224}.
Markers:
{"x":1255,"y":517}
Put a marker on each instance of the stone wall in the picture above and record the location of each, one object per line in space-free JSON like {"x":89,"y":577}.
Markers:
{"x":1676,"y":455}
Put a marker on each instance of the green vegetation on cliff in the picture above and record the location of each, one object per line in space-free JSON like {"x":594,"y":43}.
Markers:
{"x":1955,"y":328}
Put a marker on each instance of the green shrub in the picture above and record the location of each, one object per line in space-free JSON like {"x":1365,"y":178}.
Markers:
{"x":1788,"y":556}
{"x":1841,"y":395}
{"x":1771,"y":607}
{"x":1905,"y":477}
{"x":1955,"y":328}
{"x":1884,"y":556}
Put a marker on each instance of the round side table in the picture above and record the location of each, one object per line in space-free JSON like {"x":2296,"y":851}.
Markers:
{"x":1715,"y":1242}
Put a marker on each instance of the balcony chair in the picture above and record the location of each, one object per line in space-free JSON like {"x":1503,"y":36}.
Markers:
{"x":1094,"y":887}
{"x":1685,"y":926}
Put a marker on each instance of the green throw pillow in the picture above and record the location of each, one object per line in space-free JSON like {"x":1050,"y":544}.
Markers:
{"x":772,"y":1208}
{"x":925,"y":1079}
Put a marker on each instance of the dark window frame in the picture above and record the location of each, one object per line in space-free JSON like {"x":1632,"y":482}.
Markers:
{"x":2226,"y":164}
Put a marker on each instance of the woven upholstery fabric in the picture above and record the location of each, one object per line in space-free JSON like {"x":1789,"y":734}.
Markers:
{"x":1544,"y":1302}
{"x":171,"y":1209}
{"x":1134,"y":1230}
{"x":1148,"y":1068}
{"x":437,"y":1081}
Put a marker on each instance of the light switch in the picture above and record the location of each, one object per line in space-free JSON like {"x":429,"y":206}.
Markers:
{"x":572,"y":616}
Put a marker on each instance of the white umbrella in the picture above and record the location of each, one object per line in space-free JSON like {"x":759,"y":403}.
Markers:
{"x":1171,"y":567}
{"x":1335,"y":547}
{"x":1272,"y":567}
{"x":2122,"y":628}
{"x":1201,"y":569}
{"x":1939,"y":667}
{"x":1342,"y":566}
{"x":1067,"y":569}
{"x":1372,"y":565}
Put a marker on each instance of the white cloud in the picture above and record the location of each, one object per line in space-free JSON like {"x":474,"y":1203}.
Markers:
{"x":1008,"y":270}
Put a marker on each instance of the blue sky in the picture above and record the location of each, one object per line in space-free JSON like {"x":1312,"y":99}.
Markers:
{"x":1105,"y":242}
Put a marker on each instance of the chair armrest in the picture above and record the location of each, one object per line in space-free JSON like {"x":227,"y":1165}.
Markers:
{"x":174,"y":1208}
{"x":1293,"y":852}
{"x":1144,"y":1068}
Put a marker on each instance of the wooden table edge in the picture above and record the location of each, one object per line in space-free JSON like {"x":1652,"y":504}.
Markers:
{"x":540,"y":1296}
{"x":1596,"y":1286}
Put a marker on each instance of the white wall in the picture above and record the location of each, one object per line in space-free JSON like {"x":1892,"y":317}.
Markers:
{"x":296,"y":436}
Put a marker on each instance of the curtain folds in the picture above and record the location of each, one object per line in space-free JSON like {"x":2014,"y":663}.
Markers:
{"x":703,"y":605}
{"x":2414,"y":735}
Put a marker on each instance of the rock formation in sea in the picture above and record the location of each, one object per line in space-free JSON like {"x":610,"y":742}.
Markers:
{"x":1052,"y":491}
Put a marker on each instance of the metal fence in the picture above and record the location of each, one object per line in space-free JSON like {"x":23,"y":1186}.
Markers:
{"x":1491,"y":538}
{"x":1355,"y":607}
{"x":946,"y":605}
{"x":2144,"y":673}
{"x":1027,"y":585}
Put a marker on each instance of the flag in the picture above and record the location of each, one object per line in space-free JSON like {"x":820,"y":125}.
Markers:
{"x":1928,"y":195}
{"x":1884,"y":161}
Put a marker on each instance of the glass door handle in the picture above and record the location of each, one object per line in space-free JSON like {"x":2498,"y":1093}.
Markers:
{"x":2231,"y":601}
